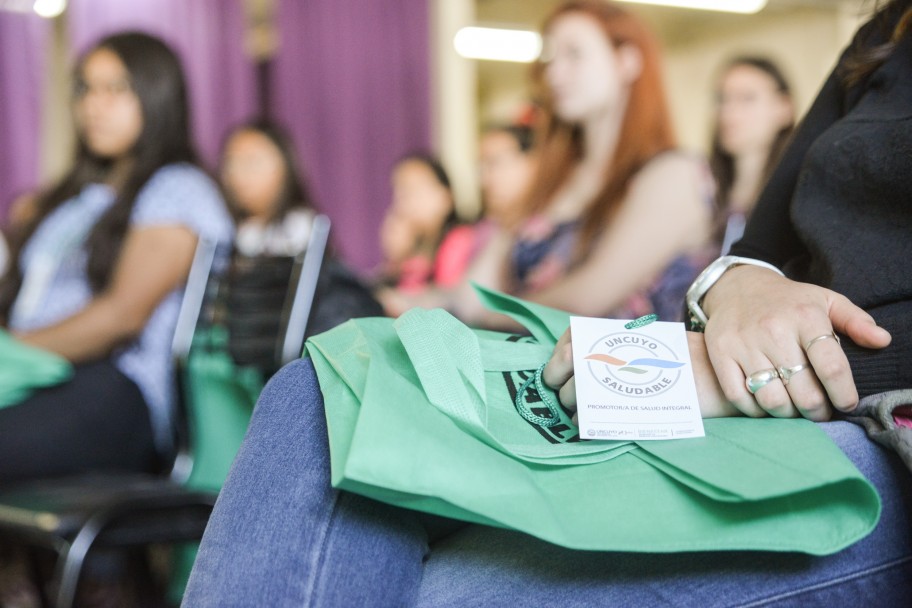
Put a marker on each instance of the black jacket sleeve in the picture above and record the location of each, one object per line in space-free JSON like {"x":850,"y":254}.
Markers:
{"x":769,"y":235}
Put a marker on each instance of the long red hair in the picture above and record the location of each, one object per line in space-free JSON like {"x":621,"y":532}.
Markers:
{"x":646,"y":130}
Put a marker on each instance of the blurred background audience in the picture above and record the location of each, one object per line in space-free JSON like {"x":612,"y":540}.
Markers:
{"x":505,"y":168}
{"x":423,"y":217}
{"x":615,"y":217}
{"x":358,"y":85}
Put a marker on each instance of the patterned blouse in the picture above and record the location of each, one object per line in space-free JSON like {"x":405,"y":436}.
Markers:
{"x":545,"y":251}
{"x":56,"y":286}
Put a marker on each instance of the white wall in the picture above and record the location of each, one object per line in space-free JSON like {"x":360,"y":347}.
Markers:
{"x":805,"y":44}
{"x":454,"y":83}
{"x":57,"y":138}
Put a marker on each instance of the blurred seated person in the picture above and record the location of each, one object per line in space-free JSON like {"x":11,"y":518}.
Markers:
{"x":272,"y":206}
{"x":505,"y":168}
{"x":616,"y":219}
{"x":98,"y":265}
{"x":265,"y":191}
{"x":422,"y":212}
{"x":755,"y":115}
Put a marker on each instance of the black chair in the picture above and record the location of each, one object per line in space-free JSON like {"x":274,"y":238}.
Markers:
{"x":74,"y":515}
{"x":263,"y":298}
{"x":267,"y":302}
{"x":70,"y":516}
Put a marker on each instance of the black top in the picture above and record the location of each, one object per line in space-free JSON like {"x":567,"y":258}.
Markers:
{"x":837,"y":212}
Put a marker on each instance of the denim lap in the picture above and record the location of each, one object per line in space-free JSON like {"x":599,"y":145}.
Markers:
{"x":280,"y":536}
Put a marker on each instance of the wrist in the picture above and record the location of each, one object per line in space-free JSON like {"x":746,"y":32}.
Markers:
{"x":717,"y":293}
{"x":707,"y":280}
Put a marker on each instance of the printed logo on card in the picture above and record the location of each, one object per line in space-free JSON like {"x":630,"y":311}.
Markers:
{"x":634,"y":365}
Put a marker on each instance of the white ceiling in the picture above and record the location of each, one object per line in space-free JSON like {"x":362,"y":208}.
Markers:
{"x":670,"y":23}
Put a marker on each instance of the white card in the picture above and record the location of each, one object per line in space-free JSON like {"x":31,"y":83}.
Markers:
{"x":634,"y":384}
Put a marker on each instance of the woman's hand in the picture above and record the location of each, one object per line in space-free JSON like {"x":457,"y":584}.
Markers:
{"x":558,"y":374}
{"x":759,"y":320}
{"x":394,"y":302}
{"x":397,"y":302}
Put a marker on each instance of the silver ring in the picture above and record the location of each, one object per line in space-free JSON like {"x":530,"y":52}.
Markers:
{"x":758,"y":380}
{"x":786,"y":373}
{"x":811,"y":343}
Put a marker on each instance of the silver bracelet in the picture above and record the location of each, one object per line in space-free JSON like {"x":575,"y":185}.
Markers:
{"x":710,"y":275}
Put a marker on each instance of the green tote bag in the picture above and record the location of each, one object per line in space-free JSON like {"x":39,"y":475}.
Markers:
{"x":422,"y":413}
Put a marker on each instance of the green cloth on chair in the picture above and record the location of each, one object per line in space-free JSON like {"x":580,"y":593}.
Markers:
{"x":23,"y":369}
{"x":222,"y":395}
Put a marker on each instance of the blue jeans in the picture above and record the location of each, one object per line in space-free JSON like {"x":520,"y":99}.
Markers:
{"x":280,"y":536}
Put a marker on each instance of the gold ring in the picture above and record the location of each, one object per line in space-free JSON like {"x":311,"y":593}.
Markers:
{"x":833,"y":335}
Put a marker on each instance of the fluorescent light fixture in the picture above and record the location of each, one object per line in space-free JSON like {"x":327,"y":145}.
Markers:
{"x":16,"y":6}
{"x":728,"y":6}
{"x":497,"y":44}
{"x":49,"y":8}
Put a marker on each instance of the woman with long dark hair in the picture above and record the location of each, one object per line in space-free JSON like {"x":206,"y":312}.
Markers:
{"x":98,"y":266}
{"x":423,"y":210}
{"x":614,"y":211}
{"x":270,"y":200}
{"x":265,"y":190}
{"x":755,"y":115}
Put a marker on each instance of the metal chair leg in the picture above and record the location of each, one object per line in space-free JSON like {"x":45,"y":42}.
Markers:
{"x":69,"y":566}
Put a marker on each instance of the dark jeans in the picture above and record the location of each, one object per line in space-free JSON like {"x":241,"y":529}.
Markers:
{"x":98,"y":421}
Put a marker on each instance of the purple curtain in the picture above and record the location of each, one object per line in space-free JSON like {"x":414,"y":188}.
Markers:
{"x":351,"y":82}
{"x":23,"y":40}
{"x":209,"y":37}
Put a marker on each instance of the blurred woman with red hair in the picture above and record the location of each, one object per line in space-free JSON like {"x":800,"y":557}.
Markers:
{"x":615,"y":212}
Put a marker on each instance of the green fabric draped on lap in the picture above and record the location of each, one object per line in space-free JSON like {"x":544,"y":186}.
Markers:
{"x":23,"y":369}
{"x":421,"y":413}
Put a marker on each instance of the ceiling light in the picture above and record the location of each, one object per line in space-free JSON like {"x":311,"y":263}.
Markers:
{"x":16,"y":6}
{"x":49,"y":8}
{"x":496,"y":44}
{"x":729,"y":6}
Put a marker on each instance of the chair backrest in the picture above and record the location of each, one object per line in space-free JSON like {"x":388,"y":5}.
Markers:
{"x":262,"y":307}
{"x":267,"y":302}
{"x":300,"y":303}
{"x":195,"y":293}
